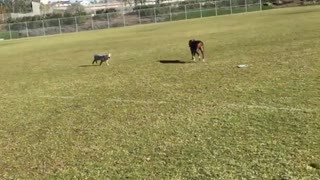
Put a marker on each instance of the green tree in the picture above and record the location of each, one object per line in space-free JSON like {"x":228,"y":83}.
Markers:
{"x":125,"y":2}
{"x":76,"y":9}
{"x":21,"y":6}
{"x":45,"y":9}
{"x":139,"y":2}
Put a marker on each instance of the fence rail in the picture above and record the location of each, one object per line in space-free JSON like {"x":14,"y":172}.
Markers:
{"x":129,"y":18}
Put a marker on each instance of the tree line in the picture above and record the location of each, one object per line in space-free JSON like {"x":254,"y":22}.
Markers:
{"x":14,"y":6}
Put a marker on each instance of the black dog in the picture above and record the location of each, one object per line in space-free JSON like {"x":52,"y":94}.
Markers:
{"x":102,"y":58}
{"x":195,"y":47}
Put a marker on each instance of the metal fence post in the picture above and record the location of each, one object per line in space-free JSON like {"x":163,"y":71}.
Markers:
{"x":44,"y":32}
{"x":59,"y":26}
{"x":122,"y":5}
{"x":170,"y":13}
{"x":185,"y":11}
{"x":75,"y":20}
{"x":27,"y":29}
{"x":139,"y":16}
{"x":246,"y":4}
{"x":230,"y":6}
{"x":10,"y":31}
{"x":155,"y":15}
{"x":92,"y":26}
{"x":108,"y":20}
{"x":200,"y":9}
{"x":260,"y":5}
{"x":215,"y":8}
{"x":124,"y":19}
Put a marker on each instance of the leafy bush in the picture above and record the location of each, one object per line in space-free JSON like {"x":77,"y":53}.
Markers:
{"x":144,"y":7}
{"x":109,"y":10}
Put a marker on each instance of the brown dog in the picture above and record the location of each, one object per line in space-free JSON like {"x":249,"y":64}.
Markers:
{"x":195,"y":47}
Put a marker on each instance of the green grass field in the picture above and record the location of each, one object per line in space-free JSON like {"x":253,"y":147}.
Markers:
{"x":62,"y":118}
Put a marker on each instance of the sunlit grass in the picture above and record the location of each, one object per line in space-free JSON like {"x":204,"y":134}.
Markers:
{"x":138,"y":118}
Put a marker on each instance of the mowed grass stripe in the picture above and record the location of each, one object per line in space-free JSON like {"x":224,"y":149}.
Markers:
{"x":61,"y":118}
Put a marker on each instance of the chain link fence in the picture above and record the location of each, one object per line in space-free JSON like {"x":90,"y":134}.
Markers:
{"x":127,"y":18}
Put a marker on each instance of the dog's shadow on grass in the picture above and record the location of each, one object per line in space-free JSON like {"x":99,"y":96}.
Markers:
{"x":174,"y":61}
{"x":88,"y":65}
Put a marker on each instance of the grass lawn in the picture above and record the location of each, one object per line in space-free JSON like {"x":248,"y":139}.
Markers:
{"x":154,"y":114}
{"x":6,"y":35}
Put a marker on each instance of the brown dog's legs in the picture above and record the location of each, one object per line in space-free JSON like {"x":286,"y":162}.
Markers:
{"x":197,"y":52}
{"x":202,"y":52}
{"x":192,"y":54}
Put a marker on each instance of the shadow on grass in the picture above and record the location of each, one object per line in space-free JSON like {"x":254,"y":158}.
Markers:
{"x":89,"y":65}
{"x":170,"y":61}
